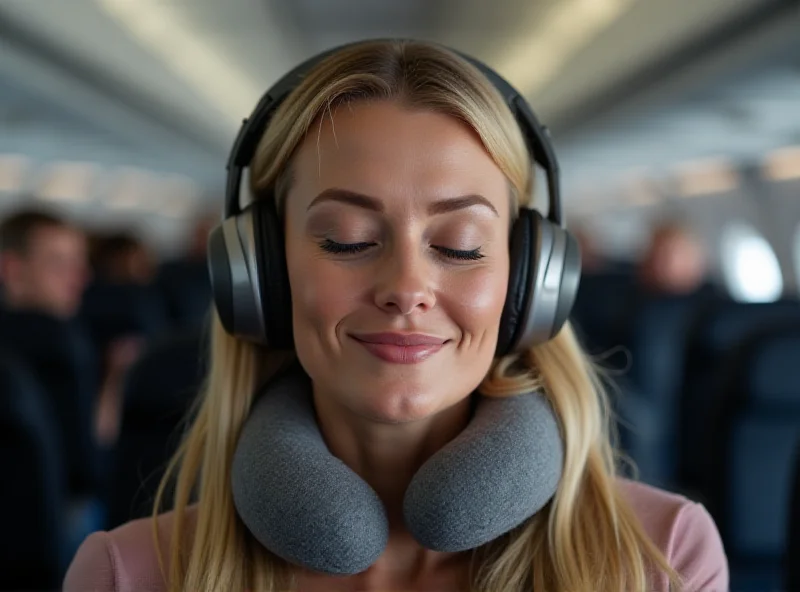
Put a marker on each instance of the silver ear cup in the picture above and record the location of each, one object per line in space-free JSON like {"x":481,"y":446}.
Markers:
{"x":570,"y":281}
{"x":543,"y":294}
{"x":234,"y":277}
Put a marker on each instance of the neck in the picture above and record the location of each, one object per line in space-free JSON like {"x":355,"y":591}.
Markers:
{"x":387,"y":455}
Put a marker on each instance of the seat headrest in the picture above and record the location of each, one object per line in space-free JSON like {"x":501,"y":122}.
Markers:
{"x":774,"y":372}
{"x":729,"y":323}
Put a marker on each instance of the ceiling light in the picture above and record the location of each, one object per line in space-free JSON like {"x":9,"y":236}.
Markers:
{"x":706,"y":177}
{"x":641,"y":192}
{"x":177,"y":196}
{"x":13,"y":168}
{"x":783,"y":164}
{"x":67,"y":181}
{"x":567,"y":27}
{"x":180,"y":188}
{"x":127,"y":188}
{"x":163,"y":28}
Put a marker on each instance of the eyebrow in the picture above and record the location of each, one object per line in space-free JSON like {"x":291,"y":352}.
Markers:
{"x":367,"y":202}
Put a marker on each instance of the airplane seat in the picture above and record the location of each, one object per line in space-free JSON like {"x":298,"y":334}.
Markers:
{"x":792,"y":557}
{"x":640,"y":434}
{"x":715,"y":334}
{"x":753,"y":435}
{"x":186,"y":290}
{"x":158,"y":395}
{"x":600,"y":308}
{"x":111,"y":311}
{"x":33,"y":550}
{"x":60,"y":356}
{"x":657,"y":336}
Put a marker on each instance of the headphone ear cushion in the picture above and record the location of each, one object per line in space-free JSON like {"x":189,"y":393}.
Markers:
{"x":273,"y":276}
{"x":521,"y":250}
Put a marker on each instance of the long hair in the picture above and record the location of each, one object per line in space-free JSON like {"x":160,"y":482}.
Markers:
{"x":586,"y":538}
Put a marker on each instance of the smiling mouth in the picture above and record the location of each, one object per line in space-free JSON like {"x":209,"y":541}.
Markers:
{"x":398,"y":348}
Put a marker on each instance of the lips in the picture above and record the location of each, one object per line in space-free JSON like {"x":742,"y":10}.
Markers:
{"x":401,"y":348}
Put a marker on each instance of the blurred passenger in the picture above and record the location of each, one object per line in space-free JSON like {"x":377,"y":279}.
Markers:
{"x":674,"y":263}
{"x":123,"y":259}
{"x":43,"y":264}
{"x":44,"y":269}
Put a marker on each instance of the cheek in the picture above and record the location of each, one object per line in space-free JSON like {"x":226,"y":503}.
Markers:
{"x":43,"y":277}
{"x":476,"y":300}
{"x":321,"y":294}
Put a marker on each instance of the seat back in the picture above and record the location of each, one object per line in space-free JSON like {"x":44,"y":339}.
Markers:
{"x":159,"y":392}
{"x":756,"y":432}
{"x":32,"y":498}
{"x":186,"y":289}
{"x":657,"y":338}
{"x":600,"y":307}
{"x":717,"y":334}
{"x":111,"y":311}
{"x":61,"y":358}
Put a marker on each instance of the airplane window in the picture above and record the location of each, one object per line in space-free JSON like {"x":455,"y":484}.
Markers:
{"x":749,"y":265}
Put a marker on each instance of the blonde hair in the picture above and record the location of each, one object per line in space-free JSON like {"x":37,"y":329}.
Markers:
{"x":586,"y":538}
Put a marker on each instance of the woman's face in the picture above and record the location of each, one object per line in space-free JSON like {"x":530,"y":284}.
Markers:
{"x":397,"y":228}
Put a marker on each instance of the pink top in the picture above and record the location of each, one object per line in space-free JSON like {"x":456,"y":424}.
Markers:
{"x":124,"y":560}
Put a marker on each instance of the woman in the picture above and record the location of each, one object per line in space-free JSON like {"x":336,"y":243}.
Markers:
{"x":391,"y":165}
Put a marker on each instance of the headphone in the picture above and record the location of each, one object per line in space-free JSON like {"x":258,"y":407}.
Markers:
{"x":247,"y":261}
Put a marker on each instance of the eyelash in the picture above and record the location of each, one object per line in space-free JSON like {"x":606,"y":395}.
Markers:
{"x":353,"y":248}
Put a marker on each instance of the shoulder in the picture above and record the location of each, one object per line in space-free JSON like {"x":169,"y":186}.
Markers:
{"x":124,"y":559}
{"x":684,"y":532}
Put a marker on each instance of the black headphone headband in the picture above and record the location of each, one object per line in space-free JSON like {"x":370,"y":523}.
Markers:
{"x":536,"y":135}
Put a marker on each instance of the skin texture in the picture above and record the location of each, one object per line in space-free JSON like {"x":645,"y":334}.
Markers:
{"x":385,"y":419}
{"x":50,"y":274}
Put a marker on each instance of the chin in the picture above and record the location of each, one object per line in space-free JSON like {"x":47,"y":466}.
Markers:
{"x":398,"y":402}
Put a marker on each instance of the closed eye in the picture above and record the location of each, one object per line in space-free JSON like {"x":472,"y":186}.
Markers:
{"x":344,"y":248}
{"x":472,"y":255}
{"x":335,"y":248}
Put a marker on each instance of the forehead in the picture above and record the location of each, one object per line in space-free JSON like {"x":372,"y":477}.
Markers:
{"x":396,"y":153}
{"x":55,"y":237}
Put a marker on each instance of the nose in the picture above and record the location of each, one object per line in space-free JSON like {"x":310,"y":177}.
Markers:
{"x":405,"y":284}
